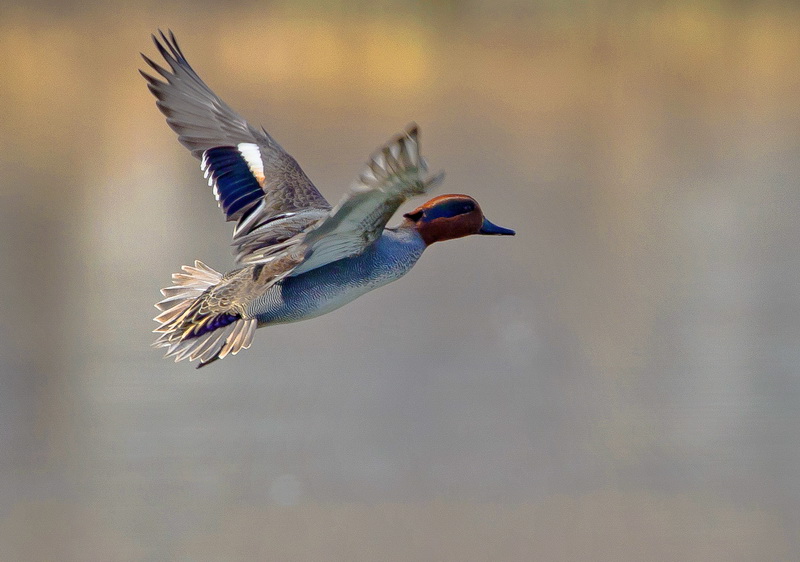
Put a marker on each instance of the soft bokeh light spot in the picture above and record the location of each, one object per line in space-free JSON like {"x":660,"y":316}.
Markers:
{"x":299,"y":52}
{"x":395,"y":58}
{"x":42,"y":78}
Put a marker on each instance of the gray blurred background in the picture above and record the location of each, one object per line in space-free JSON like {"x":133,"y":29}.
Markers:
{"x":620,"y":381}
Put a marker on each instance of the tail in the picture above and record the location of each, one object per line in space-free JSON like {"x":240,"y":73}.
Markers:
{"x":194,"y":325}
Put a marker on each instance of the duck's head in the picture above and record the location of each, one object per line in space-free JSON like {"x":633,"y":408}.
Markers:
{"x":451,"y":216}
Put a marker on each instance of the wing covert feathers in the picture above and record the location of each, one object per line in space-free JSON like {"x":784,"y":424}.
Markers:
{"x":393,"y":174}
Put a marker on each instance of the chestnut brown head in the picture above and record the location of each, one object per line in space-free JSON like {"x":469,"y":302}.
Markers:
{"x":451,"y":216}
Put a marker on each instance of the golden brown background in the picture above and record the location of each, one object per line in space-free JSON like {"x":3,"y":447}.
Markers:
{"x":620,"y":381}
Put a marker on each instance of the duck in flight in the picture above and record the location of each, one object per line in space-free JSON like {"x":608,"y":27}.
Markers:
{"x":297,"y":256}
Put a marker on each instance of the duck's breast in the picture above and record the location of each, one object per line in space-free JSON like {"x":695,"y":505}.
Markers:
{"x":331,"y":286}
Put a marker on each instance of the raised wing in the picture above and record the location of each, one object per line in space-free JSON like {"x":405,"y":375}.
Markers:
{"x":394,"y":173}
{"x":255,"y":181}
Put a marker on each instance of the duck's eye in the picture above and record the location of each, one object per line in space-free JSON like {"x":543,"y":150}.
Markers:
{"x":468,"y":207}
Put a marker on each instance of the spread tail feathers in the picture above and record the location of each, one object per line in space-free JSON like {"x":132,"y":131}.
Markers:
{"x":191,"y":327}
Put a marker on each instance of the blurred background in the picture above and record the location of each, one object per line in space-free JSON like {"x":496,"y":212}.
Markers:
{"x":620,"y":381}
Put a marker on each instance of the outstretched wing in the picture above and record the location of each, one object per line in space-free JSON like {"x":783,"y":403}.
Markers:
{"x":255,"y":181}
{"x":394,"y":173}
